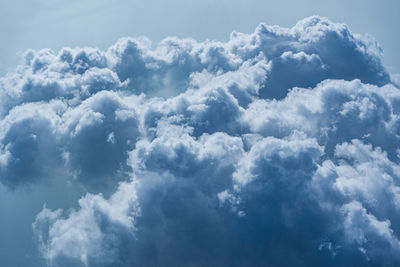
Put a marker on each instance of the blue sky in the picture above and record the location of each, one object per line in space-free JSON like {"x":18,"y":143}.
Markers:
{"x":271,"y":138}
{"x":54,"y":24}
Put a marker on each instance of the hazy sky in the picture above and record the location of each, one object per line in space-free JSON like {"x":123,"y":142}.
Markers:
{"x":57,"y":23}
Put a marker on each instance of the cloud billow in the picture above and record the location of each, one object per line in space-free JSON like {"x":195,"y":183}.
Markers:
{"x":275,"y":148}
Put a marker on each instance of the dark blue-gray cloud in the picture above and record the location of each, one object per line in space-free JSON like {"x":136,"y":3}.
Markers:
{"x":279,"y":147}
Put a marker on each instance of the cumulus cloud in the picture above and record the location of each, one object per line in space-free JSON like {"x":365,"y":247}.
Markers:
{"x":279,"y":147}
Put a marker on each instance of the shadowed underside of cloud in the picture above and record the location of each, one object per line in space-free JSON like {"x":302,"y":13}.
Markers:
{"x":279,"y":147}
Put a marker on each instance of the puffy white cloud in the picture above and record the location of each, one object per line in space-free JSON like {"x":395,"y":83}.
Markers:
{"x":334,"y":111}
{"x":313,"y":50}
{"x":93,"y":235}
{"x":208,"y":201}
{"x":278,"y":147}
{"x":40,"y":140}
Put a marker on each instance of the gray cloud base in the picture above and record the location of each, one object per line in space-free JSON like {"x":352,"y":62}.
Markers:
{"x":279,"y":147}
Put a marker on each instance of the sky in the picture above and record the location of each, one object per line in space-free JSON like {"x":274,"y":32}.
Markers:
{"x":197,"y":133}
{"x":54,"y":24}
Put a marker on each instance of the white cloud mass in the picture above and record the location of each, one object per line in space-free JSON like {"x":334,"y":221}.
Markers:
{"x":275,"y":148}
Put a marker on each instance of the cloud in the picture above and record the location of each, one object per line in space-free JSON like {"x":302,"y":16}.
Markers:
{"x":103,"y":228}
{"x":313,"y":50}
{"x":218,"y":198}
{"x":279,"y":147}
{"x":40,"y":140}
{"x":334,"y":111}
